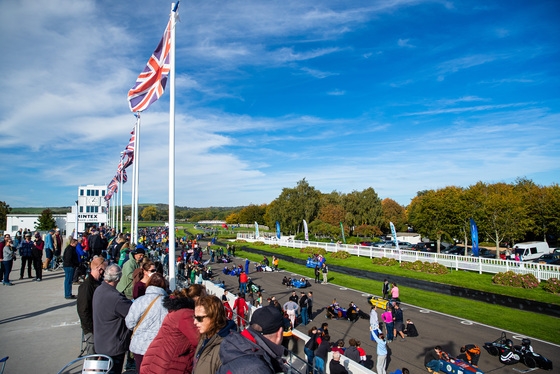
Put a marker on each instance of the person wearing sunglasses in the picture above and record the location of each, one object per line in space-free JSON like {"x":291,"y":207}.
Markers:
{"x":213,"y":326}
{"x":147,"y":268}
{"x":172,"y":350}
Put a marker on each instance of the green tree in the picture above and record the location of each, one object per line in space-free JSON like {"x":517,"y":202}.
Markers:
{"x":363,"y":208}
{"x":46,"y":221}
{"x":149,"y":213}
{"x":5,"y":209}
{"x":502,"y":212}
{"x":295,"y":205}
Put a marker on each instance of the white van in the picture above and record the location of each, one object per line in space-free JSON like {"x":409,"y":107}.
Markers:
{"x":531,"y":250}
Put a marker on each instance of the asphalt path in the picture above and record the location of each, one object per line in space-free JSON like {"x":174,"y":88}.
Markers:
{"x":434,"y":328}
{"x":40,"y":329}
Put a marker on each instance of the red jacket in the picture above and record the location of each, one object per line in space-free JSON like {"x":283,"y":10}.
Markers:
{"x":243,"y":277}
{"x":172,"y":350}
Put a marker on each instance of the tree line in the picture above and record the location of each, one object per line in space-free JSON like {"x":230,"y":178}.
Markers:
{"x":504,"y":212}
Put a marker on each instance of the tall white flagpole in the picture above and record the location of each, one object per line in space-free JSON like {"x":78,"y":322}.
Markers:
{"x":172,"y":284}
{"x":134,"y":171}
{"x":121,"y":200}
{"x":137,"y":158}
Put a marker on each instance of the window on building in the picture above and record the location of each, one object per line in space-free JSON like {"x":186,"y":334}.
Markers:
{"x":96,"y":192}
{"x":88,"y":192}
{"x":96,"y":208}
{"x":81,"y":192}
{"x":81,"y":209}
{"x":102,"y":209}
{"x":103,"y":193}
{"x":87,"y":209}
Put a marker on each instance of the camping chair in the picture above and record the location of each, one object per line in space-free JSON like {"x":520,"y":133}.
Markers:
{"x":3,"y":361}
{"x":93,"y":364}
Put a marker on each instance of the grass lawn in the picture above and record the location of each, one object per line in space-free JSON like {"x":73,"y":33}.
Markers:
{"x":473,"y":280}
{"x":534,"y":324}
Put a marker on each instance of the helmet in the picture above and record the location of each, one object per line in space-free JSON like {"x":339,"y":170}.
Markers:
{"x":526,"y":342}
{"x":508,"y":343}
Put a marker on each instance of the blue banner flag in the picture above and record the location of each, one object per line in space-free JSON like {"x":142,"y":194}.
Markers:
{"x":256,"y":229}
{"x":278,"y":229}
{"x":474,"y":238}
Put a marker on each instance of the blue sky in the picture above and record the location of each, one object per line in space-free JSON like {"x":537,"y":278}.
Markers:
{"x":398,"y":95}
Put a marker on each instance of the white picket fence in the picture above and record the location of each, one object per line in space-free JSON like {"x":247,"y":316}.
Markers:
{"x":479,"y":264}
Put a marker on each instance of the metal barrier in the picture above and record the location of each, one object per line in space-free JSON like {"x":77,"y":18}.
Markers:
{"x":296,"y":363}
{"x":479,"y":264}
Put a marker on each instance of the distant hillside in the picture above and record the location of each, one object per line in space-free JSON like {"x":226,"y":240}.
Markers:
{"x":57,"y":210}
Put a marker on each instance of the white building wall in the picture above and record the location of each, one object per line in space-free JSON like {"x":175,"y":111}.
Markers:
{"x":14,"y":222}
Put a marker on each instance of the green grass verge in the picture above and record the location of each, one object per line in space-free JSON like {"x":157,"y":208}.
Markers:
{"x":461,"y":278}
{"x":531,"y":324}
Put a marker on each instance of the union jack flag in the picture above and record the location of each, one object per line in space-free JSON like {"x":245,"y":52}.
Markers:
{"x":124,"y":177}
{"x":150,"y":84}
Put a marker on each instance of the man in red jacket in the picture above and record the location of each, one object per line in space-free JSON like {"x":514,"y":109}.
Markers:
{"x":240,"y":307}
{"x":243,"y":282}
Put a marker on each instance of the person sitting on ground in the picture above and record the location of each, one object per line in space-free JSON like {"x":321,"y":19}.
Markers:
{"x":339,"y":347}
{"x":335,"y":367}
{"x":431,"y":360}
{"x":410,"y":329}
{"x":352,"y":351}
{"x":353,"y":312}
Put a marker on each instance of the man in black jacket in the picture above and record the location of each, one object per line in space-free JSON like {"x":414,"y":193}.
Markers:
{"x":95,"y":243}
{"x":85,"y":301}
{"x":70,"y":261}
{"x":335,"y":367}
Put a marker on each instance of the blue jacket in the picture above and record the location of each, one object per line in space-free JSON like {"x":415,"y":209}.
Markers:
{"x":49,"y":244}
{"x":25,"y":248}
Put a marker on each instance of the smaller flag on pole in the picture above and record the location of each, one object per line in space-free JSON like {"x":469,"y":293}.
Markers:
{"x":278,"y":229}
{"x":474,"y":238}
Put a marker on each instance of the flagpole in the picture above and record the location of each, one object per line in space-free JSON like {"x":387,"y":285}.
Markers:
{"x":172,"y":149}
{"x":134,"y":161}
{"x":121,"y":200}
{"x":136,"y":178}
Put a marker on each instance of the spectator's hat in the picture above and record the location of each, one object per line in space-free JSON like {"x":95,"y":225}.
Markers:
{"x":51,"y":230}
{"x":28,"y":235}
{"x":268,"y":318}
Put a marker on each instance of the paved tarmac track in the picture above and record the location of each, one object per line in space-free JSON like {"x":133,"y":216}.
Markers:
{"x":434,"y":328}
{"x":40,"y":330}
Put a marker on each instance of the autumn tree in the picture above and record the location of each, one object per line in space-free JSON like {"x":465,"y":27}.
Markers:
{"x":149,"y":213}
{"x":367,"y":231}
{"x":252,"y":213}
{"x":233,"y":218}
{"x":393,"y":212}
{"x":332,"y":214}
{"x":45,"y":221}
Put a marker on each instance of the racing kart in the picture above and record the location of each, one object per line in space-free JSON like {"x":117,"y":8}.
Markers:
{"x":452,"y":365}
{"x":379,"y":302}
{"x":524,"y":351}
{"x":315,"y":261}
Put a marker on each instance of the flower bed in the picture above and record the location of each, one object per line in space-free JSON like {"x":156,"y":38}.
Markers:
{"x":552,"y":285}
{"x":241,"y":241}
{"x":260,"y":244}
{"x":314,"y":250}
{"x":385,"y":261}
{"x":425,"y":267}
{"x":275,"y":246}
{"x":340,"y":254}
{"x":511,"y":279}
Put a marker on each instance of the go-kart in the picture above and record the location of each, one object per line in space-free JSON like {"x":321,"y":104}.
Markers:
{"x":524,"y":353}
{"x":452,"y":365}
{"x":379,"y":302}
{"x":234,"y":271}
{"x":300,"y":283}
{"x":315,"y":261}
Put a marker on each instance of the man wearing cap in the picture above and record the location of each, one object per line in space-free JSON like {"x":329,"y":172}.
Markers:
{"x":85,"y":301}
{"x":126,"y":285}
{"x":258,"y":348}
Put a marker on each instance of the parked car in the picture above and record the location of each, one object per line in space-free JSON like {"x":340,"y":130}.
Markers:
{"x":454,"y":250}
{"x":548,"y":258}
{"x":366,"y":243}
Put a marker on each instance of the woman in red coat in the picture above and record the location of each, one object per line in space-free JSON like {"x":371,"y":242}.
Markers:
{"x":172,"y":350}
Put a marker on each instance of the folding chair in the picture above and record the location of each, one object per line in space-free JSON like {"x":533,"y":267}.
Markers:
{"x":3,"y":361}
{"x":93,"y":364}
